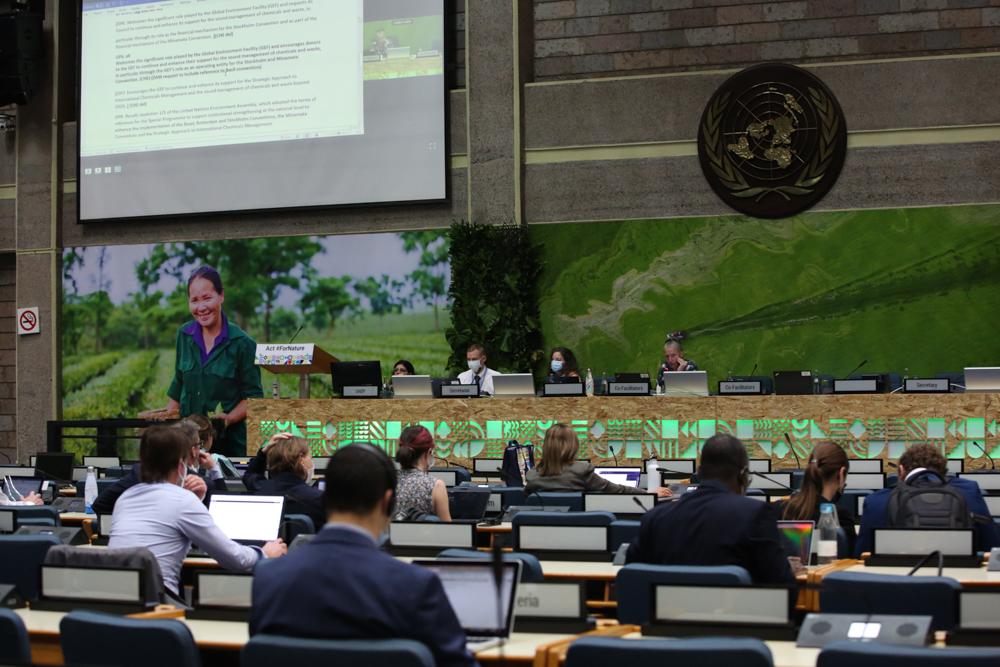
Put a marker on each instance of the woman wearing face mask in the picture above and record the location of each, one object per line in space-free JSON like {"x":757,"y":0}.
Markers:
{"x":417,"y":493}
{"x":824,"y":482}
{"x":290,"y":474}
{"x":562,"y":364}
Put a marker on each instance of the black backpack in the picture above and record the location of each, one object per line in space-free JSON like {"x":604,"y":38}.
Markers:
{"x":927,"y":502}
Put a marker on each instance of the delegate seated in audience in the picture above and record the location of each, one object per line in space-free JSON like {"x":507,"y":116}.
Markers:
{"x":419,"y":494}
{"x":203,"y":475}
{"x":342,"y":586}
{"x":925,"y":465}
{"x":560,"y":471}
{"x":289,"y":473}
{"x":824,"y":482}
{"x":715,"y":524}
{"x":562,"y":364}
{"x":403,"y":367}
{"x":206,"y":434}
{"x":159,"y":514}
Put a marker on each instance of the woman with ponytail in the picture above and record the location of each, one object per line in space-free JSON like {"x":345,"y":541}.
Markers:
{"x":824,"y":482}
{"x":417,"y":493}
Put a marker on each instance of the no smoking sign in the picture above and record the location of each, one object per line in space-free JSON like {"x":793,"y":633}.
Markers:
{"x":27,"y":321}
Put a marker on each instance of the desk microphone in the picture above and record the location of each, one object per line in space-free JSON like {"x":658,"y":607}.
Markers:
{"x":754,"y":369}
{"x":680,"y":474}
{"x":856,"y":368}
{"x":772,"y":481}
{"x":638,"y":502}
{"x":923,"y":561}
{"x":794,"y":453}
{"x":612,"y":450}
{"x":993,"y":463}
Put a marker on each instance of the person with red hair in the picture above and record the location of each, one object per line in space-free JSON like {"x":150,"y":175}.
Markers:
{"x":418,"y":494}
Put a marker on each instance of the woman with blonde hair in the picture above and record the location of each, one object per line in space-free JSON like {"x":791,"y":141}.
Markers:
{"x":560,"y":471}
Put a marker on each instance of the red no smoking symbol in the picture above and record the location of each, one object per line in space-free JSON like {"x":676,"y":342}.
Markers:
{"x":28,"y":320}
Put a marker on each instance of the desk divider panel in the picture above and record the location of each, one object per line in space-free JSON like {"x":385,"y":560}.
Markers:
{"x":432,"y":535}
{"x":95,"y":584}
{"x":865,"y":480}
{"x":905,"y":542}
{"x":449,"y":477}
{"x":987,"y":481}
{"x":619,"y":503}
{"x":866,"y":465}
{"x":487,"y":466}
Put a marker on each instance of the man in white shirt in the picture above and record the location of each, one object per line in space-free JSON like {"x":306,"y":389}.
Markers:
{"x":478,"y":373}
{"x":163,"y":516}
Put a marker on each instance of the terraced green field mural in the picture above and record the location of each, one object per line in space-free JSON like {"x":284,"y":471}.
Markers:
{"x":912,"y":290}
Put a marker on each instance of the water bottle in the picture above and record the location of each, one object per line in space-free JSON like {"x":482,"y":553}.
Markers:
{"x":90,"y":489}
{"x":652,"y":474}
{"x":590,"y":383}
{"x":827,"y":530}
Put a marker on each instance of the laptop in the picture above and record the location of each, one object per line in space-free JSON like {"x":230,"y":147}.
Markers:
{"x":793,"y":383}
{"x":19,"y":488}
{"x":622,"y":476}
{"x":686,"y":383}
{"x":250,"y":520}
{"x":984,"y":379}
{"x":514,"y":385}
{"x":412,"y":386}
{"x":472,"y":592}
{"x":797,"y":539}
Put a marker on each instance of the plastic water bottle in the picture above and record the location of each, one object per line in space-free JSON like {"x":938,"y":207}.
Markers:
{"x":590,"y":383}
{"x":90,"y":489}
{"x":827,"y":529}
{"x":652,"y":474}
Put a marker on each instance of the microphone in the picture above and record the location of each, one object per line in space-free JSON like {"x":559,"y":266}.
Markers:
{"x":923,"y":561}
{"x":679,"y":474}
{"x":541,"y":501}
{"x":294,"y":335}
{"x":772,"y":481}
{"x":794,"y":453}
{"x":863,"y":362}
{"x":754,"y":369}
{"x":986,"y":455}
{"x":612,"y":450}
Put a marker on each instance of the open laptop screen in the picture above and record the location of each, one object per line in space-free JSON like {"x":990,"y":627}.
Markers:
{"x":472,"y":591}
{"x":248,"y":518}
{"x":796,"y":538}
{"x":622,"y":476}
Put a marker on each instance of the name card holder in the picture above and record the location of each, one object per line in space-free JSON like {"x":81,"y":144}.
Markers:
{"x":564,"y":542}
{"x":904,"y":547}
{"x":764,"y":612}
{"x":865,"y":481}
{"x":564,"y":389}
{"x":987,"y":481}
{"x":112,"y":590}
{"x":741,"y":387}
{"x":221,"y":596}
{"x":772,"y":483}
{"x":459,"y":391}
{"x":365,"y":391}
{"x":627,"y":505}
{"x":8,"y":521}
{"x":428,"y":538}
{"x":978,"y":622}
{"x":556,"y":608}
{"x":928,"y":386}
{"x":449,"y":477}
{"x":487,"y":467}
{"x":628,"y":388}
{"x":863,"y":386}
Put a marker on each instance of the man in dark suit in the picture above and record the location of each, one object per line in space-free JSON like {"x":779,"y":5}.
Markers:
{"x":715,"y":524}
{"x":341,"y":586}
{"x":925,"y":462}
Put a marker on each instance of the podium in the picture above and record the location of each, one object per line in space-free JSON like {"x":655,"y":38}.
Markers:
{"x":302,"y":359}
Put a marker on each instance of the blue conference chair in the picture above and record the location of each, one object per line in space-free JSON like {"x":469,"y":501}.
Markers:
{"x":709,"y":652}
{"x":531,"y":567}
{"x":294,"y":525}
{"x":105,"y":640}
{"x":857,"y":654}
{"x":862,"y":593}
{"x":634,"y":582}
{"x":571,"y":499}
{"x":623,"y":531}
{"x":14,"y":646}
{"x":21,"y":556}
{"x":270,"y":650}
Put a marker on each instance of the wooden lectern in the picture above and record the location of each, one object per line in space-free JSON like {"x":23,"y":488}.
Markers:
{"x":302,"y":359}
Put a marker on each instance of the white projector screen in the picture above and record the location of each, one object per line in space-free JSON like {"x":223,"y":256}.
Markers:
{"x":199,"y":106}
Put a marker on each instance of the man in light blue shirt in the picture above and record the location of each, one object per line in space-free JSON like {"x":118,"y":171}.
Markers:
{"x":163,"y":516}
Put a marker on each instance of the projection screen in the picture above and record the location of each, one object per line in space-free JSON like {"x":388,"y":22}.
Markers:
{"x":200,"y":106}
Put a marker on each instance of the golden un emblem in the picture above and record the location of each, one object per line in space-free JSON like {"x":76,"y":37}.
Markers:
{"x":772,"y":141}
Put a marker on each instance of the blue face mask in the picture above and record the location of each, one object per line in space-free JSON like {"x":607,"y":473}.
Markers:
{"x":556,"y":365}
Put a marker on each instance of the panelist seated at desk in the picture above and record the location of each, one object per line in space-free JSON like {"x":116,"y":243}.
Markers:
{"x":715,"y":524}
{"x":342,"y":586}
{"x":478,"y":373}
{"x":824,"y":482}
{"x":418,"y":494}
{"x":403,"y":367}
{"x":289,"y":465}
{"x":562,"y":364}
{"x":202,"y":476}
{"x":923,"y":465}
{"x":560,"y":471}
{"x":673,"y":358}
{"x":159,"y":514}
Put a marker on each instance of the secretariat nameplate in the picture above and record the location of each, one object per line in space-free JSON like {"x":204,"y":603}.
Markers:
{"x":928,"y":386}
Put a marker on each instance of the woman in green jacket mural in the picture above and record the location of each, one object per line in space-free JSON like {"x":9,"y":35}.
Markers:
{"x":215,"y":364}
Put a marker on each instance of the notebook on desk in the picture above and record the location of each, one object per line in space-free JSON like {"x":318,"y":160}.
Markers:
{"x":470,"y":586}
{"x":249,"y":520}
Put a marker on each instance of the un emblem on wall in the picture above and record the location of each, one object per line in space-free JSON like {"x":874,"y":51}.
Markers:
{"x":772,"y":141}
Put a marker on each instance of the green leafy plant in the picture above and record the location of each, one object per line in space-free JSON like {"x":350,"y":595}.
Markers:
{"x":494,"y":295}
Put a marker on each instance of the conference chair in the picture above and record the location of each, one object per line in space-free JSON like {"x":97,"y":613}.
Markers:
{"x":106,"y":640}
{"x":704,"y":652}
{"x":571,"y":499}
{"x":623,"y":531}
{"x":14,"y":646}
{"x":40,"y":515}
{"x":139,"y":558}
{"x":293,"y":525}
{"x":270,"y":650}
{"x":633,"y":584}
{"x":531,"y":567}
{"x":858,"y":654}
{"x":862,"y":593}
{"x":21,"y":556}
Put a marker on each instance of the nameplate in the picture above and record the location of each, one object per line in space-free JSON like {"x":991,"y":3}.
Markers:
{"x":864,"y":386}
{"x":96,"y":584}
{"x":987,"y":481}
{"x":7,"y":521}
{"x":906,"y":542}
{"x":723,"y":605}
{"x":268,"y":354}
{"x":562,"y":538}
{"x":459,"y":391}
{"x":628,"y":389}
{"x":360,"y":392}
{"x":495,"y":503}
{"x":223,"y":589}
{"x":549,"y":600}
{"x":486,"y":465}
{"x":931,"y":386}
{"x":563,"y":389}
{"x":740,"y":388}
{"x":431,"y":534}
